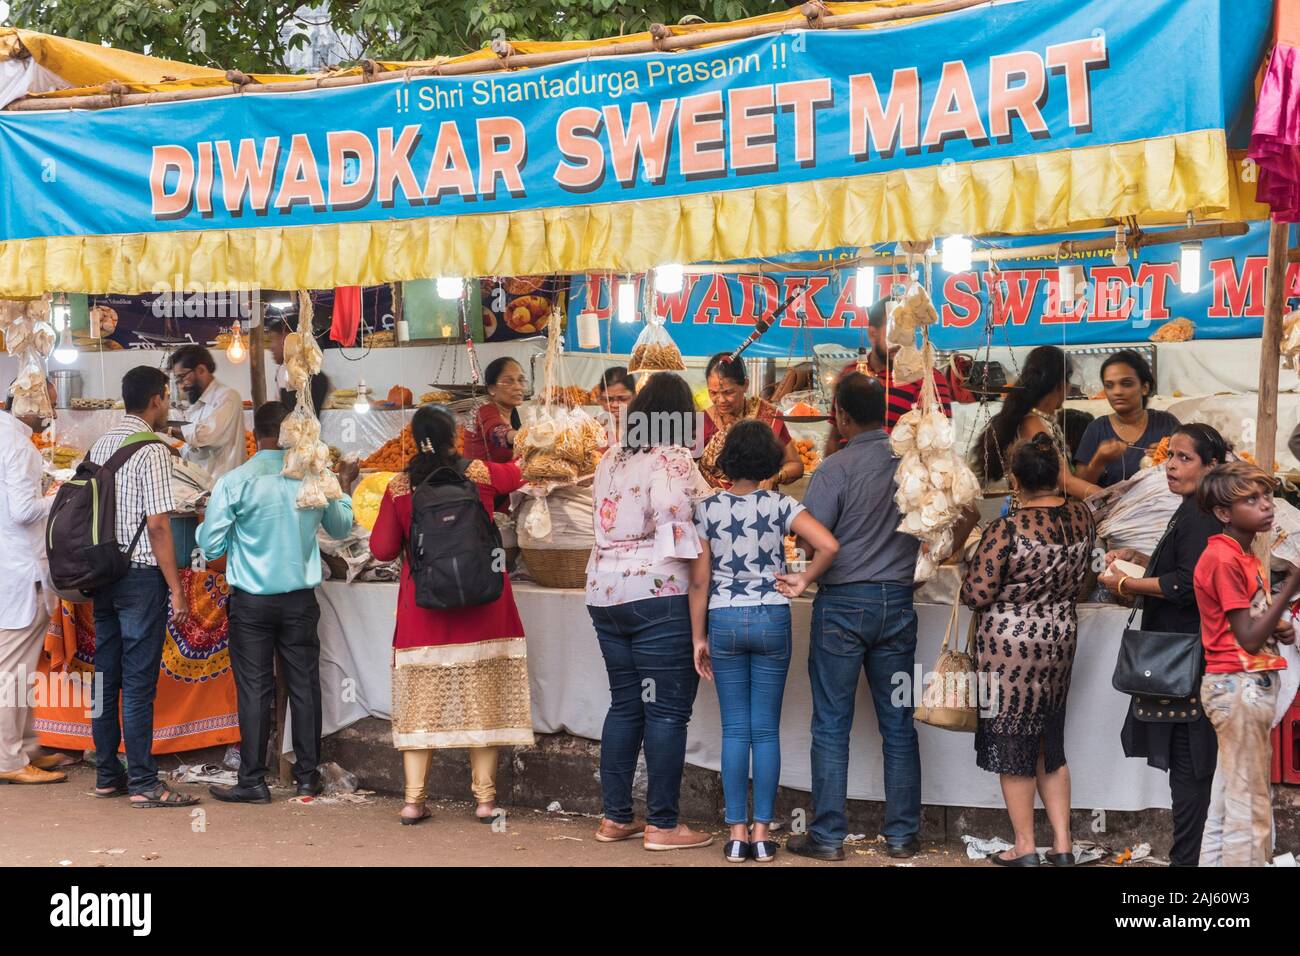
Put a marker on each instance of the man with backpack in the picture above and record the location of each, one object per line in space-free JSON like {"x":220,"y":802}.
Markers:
{"x":273,"y":567}
{"x":131,"y":612}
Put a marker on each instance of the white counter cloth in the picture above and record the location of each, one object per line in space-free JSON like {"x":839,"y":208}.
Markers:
{"x":570,"y":693}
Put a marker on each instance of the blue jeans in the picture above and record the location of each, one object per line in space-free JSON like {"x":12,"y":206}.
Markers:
{"x":129,"y":619}
{"x":750,"y":649}
{"x":872,"y":628}
{"x":652,"y":682}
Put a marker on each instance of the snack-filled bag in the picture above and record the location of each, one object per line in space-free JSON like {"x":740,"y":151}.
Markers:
{"x":655,"y":351}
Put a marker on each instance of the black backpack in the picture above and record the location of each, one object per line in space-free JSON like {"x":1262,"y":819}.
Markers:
{"x":81,"y":534}
{"x":455,"y":544}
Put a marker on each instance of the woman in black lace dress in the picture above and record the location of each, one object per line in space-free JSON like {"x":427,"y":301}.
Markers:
{"x":1023,"y":582}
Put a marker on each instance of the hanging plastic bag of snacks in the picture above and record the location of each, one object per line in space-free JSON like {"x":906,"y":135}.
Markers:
{"x":655,"y":351}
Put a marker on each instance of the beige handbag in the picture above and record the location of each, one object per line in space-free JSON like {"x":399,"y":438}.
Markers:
{"x":950,"y":698}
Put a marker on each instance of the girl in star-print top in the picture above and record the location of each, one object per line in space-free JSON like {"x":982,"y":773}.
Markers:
{"x":740,"y":620}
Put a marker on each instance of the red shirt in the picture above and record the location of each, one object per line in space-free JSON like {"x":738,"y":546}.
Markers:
{"x":427,"y":627}
{"x":485,"y":436}
{"x":901,"y":397}
{"x":1227,"y":579}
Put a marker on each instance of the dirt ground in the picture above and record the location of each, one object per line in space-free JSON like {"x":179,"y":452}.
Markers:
{"x":62,"y":825}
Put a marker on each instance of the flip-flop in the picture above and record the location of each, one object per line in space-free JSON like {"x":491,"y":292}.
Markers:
{"x":163,"y":797}
{"x":121,"y":790}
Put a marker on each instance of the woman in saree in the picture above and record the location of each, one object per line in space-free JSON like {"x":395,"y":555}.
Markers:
{"x":728,"y":383}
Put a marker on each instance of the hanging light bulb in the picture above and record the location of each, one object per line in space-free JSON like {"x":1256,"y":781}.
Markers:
{"x":669,"y":279}
{"x":1189,"y":273}
{"x":361,"y":405}
{"x":65,"y":353}
{"x":864,"y":289}
{"x":956,"y":251}
{"x":626,"y":301}
{"x":236,"y":350}
{"x":403,"y":330}
{"x":1120,"y":257}
{"x":450,"y":287}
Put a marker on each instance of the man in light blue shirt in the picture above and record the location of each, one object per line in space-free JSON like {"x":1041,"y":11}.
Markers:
{"x":273,"y":567}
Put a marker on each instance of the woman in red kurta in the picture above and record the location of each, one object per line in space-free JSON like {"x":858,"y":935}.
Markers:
{"x":460,"y":677}
{"x":491,"y":434}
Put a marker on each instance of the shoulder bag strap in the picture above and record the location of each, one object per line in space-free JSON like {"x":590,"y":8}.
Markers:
{"x":108,"y":488}
{"x":1138,"y":604}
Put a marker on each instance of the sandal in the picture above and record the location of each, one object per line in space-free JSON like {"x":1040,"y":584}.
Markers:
{"x":160,"y":796}
{"x":120,"y":790}
{"x":425,"y":813}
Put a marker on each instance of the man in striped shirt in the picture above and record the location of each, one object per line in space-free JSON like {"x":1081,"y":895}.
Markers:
{"x":901,"y":397}
{"x":131,"y":614}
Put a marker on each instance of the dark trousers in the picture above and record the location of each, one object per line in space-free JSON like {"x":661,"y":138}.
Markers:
{"x":130,"y":617}
{"x":1189,"y":798}
{"x":652,"y":682}
{"x":260,"y":625}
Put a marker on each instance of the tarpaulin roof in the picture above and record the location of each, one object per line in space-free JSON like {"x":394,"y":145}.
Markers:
{"x":88,"y":68}
{"x":1024,"y":116}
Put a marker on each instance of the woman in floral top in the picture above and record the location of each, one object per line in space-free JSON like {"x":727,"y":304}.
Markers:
{"x":637,"y":580}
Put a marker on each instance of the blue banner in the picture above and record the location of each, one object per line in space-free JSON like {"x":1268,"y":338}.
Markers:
{"x":1021,"y":306}
{"x":1008,"y":80}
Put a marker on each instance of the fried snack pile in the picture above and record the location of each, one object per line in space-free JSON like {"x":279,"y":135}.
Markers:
{"x":568,"y":395}
{"x":563,"y":445}
{"x":394,"y":454}
{"x":1161,"y":452}
{"x":1179,"y":330}
{"x":653,"y":356}
{"x":807,"y":454}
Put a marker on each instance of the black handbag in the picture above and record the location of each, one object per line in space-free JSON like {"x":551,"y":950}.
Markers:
{"x":1158,"y":664}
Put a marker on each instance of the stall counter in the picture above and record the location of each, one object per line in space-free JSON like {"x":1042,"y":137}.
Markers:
{"x":570,"y":694}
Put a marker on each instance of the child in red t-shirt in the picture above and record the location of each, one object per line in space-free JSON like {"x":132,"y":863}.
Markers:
{"x":1239,"y":691}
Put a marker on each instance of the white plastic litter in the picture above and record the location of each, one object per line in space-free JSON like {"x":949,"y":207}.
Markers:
{"x":204,"y":773}
{"x":978,"y":849}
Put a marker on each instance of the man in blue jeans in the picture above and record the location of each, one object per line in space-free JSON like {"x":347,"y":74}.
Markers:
{"x":131,"y":614}
{"x":863,"y":620}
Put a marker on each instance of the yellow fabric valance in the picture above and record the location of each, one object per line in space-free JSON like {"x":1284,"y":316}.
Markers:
{"x":1158,"y":179}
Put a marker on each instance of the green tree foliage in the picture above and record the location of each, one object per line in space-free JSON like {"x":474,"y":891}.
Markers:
{"x":248,"y":34}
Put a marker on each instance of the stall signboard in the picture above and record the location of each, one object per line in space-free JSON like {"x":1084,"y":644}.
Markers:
{"x":518,"y":307}
{"x":1021,"y":304}
{"x":177,"y":316}
{"x":1010,"y":80}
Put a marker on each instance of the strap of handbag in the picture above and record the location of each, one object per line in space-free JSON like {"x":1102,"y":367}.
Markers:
{"x":1138,"y":604}
{"x":951,"y":630}
{"x":952,"y":626}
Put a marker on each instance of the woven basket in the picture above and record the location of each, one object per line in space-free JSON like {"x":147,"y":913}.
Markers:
{"x":558,"y":568}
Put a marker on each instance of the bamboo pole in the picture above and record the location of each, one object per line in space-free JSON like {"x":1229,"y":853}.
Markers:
{"x":1269,"y":361}
{"x":257,"y":355}
{"x":503,"y":63}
